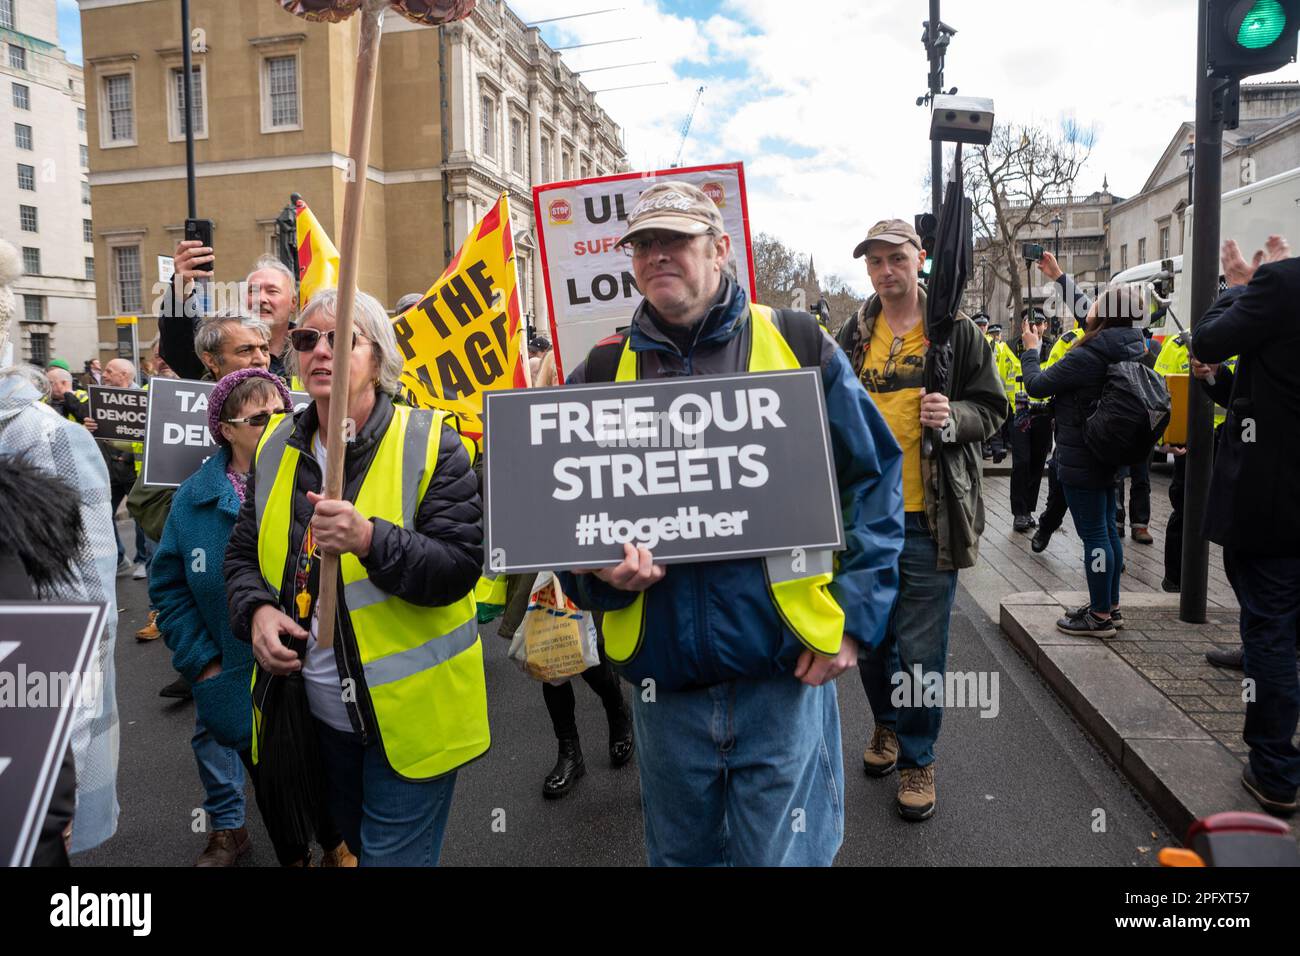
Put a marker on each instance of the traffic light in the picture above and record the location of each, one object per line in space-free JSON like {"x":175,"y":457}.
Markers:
{"x":927,"y":227}
{"x":1245,"y":37}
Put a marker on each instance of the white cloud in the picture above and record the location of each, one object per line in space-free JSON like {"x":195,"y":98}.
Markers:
{"x":841,"y":77}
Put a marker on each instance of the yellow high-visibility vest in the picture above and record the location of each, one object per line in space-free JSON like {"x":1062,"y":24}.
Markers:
{"x":798,"y":583}
{"x":421,"y":667}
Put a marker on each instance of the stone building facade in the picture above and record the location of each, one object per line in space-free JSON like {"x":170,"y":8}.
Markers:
{"x":462,"y":114}
{"x":44,"y":190}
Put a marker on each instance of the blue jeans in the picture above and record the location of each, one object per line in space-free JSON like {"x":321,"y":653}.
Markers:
{"x":916,"y":637}
{"x":385,"y":819}
{"x":743,"y":773}
{"x":1093,"y":510}
{"x":222,"y":774}
{"x":1268,"y":590}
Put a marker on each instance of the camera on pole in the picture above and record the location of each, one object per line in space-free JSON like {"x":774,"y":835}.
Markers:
{"x":1245,"y":37}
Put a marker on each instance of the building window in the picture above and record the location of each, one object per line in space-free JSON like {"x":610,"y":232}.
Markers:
{"x":34,"y":308}
{"x":81,"y":120}
{"x":17,"y":57}
{"x":27,"y":218}
{"x":126,"y":275}
{"x":546,"y":159}
{"x":85,"y":156}
{"x":22,"y":97}
{"x":121,"y":111}
{"x":38,"y":348}
{"x":27,"y":177}
{"x":586,"y":170}
{"x":177,"y":96}
{"x":1142,"y":250}
{"x":1123,"y":258}
{"x":280,"y":107}
{"x":517,"y":146}
{"x":1164,"y":242}
{"x":90,"y":268}
{"x":31,"y":261}
{"x":488,"y":106}
{"x":7,"y":14}
{"x":85,"y":193}
{"x":87,"y":230}
{"x":22,"y":136}
{"x":566,"y":165}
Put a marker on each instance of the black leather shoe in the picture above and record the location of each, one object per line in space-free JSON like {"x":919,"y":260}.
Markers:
{"x":568,"y":769}
{"x":621,"y":742}
{"x":1170,"y":587}
{"x":1041,"y":539}
{"x":1020,"y":523}
{"x":1231,"y":660}
{"x":179,"y":689}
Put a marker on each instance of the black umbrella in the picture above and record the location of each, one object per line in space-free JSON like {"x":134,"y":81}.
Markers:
{"x":953,"y":254}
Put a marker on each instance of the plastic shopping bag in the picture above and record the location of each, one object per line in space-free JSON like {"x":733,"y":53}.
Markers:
{"x":556,"y":640}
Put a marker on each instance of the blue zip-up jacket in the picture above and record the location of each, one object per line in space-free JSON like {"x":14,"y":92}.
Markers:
{"x":712,"y":622}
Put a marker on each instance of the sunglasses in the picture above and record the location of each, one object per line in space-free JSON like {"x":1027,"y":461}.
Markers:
{"x":305,"y":340}
{"x":259,"y":420}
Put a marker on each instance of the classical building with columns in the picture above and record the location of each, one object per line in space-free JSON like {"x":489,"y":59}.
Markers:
{"x":462,"y":113}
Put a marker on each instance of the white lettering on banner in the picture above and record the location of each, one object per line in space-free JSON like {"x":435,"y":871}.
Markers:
{"x":175,"y":433}
{"x":618,"y":420}
{"x":200,"y":404}
{"x":686,"y":523}
{"x":686,"y":471}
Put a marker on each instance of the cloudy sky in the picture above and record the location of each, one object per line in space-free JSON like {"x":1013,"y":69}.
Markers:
{"x":818,"y":98}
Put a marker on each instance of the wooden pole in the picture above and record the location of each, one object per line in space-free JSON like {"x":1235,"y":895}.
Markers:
{"x":354,"y":202}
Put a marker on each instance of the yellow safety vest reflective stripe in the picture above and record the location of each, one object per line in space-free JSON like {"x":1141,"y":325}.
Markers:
{"x":797,"y":582}
{"x":1067,"y":341}
{"x":422,"y":667}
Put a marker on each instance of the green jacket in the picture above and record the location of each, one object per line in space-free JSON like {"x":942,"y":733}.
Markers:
{"x":954,"y":504}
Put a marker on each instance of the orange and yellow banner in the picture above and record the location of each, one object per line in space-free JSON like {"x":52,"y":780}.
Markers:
{"x":466,"y":336}
{"x":318,"y":259}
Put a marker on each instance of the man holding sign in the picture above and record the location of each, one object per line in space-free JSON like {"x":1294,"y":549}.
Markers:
{"x":736,"y":712}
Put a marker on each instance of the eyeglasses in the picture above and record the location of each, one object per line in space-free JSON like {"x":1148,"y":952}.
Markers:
{"x":305,"y":340}
{"x":257,"y":421}
{"x":891,"y":363}
{"x":638,"y":248}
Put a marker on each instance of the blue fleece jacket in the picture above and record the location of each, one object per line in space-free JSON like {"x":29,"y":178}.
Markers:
{"x":711,"y":622}
{"x":188,"y":587}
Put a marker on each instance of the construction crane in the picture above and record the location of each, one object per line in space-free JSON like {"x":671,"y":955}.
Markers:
{"x":686,"y":127}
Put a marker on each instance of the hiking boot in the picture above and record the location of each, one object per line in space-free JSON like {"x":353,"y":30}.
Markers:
{"x":339,"y":856}
{"x":916,"y":793}
{"x":1142,"y":536}
{"x":225,"y":847}
{"x":1229,"y":660}
{"x":1278,"y":804}
{"x":568,"y":770}
{"x":881,"y":755}
{"x":1086,"y":624}
{"x":150,"y":631}
{"x":1020,"y":523}
{"x":1041,"y":539}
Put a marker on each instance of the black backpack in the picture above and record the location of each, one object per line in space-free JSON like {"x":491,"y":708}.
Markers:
{"x":801,"y":332}
{"x":1130,"y":415}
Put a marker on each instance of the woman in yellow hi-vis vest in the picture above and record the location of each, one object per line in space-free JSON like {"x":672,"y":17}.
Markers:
{"x":399,"y":703}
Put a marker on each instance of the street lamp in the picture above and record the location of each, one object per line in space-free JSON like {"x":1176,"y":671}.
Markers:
{"x":1056,"y":225}
{"x":1188,"y":153}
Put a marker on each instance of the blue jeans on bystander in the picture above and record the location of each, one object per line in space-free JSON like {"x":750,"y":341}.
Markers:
{"x":222,"y":774}
{"x":1093,"y":510}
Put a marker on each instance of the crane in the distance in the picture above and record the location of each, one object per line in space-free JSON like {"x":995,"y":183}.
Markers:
{"x":686,"y":127}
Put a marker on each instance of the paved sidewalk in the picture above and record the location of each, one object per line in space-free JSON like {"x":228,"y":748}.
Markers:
{"x":1166,"y":717}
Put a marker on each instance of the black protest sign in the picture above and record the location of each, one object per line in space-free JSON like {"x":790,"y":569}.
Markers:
{"x":45,"y":677}
{"x":119,"y":413}
{"x":177,"y":441}
{"x":694,"y":469}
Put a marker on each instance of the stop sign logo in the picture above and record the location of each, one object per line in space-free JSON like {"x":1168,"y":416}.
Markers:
{"x":715,"y":192}
{"x":560,"y":212}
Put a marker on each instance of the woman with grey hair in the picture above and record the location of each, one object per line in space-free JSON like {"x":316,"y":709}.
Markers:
{"x":399,"y":702}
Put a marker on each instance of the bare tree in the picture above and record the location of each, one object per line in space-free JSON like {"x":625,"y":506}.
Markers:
{"x":778,"y":269}
{"x":1023,"y":172}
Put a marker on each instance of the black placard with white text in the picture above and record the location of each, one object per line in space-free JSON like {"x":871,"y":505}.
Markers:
{"x":694,"y":469}
{"x":119,"y":413}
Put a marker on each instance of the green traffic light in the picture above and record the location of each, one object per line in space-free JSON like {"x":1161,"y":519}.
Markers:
{"x":1262,"y":26}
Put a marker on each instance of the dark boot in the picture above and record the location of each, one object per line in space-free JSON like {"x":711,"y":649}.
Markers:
{"x":621,"y":741}
{"x":569,"y":767}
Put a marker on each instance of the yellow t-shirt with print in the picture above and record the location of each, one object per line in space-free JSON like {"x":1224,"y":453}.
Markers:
{"x":893,"y":373}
